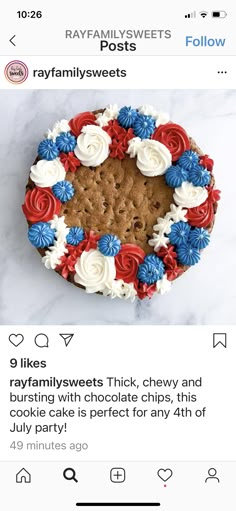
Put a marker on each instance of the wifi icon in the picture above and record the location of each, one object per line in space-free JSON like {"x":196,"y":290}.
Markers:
{"x":203,"y":14}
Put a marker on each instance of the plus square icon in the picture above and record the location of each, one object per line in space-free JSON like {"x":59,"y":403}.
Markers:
{"x":117,"y":475}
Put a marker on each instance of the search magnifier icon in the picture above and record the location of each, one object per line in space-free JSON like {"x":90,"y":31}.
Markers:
{"x":70,"y":474}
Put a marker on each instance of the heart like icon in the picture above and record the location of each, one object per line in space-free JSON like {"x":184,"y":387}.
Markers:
{"x":165,"y":474}
{"x":16,"y":339}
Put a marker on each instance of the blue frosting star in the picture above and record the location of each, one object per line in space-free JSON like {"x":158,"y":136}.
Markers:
{"x":63,"y":190}
{"x":148,"y":273}
{"x":188,"y":255}
{"x":199,"y":176}
{"x":66,"y":142}
{"x":127,"y":116}
{"x":199,"y":238}
{"x":109,"y":245}
{"x":157,"y":262}
{"x":41,"y":235}
{"x":176,"y":175}
{"x":188,"y":159}
{"x":179,"y":233}
{"x":144,"y":126}
{"x":48,"y":150}
{"x":75,"y":235}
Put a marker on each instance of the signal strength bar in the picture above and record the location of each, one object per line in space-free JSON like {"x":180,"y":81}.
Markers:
{"x":191,"y":15}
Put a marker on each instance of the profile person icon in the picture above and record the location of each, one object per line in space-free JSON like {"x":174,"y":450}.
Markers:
{"x":212,"y":475}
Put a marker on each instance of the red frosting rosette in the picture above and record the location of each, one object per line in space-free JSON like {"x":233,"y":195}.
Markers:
{"x":40,"y":205}
{"x":127,"y":262}
{"x":67,"y":262}
{"x":168,"y":255}
{"x":69,"y":161}
{"x":202,"y":216}
{"x":174,"y":137}
{"x":206,"y":162}
{"x":90,"y":241}
{"x":79,"y":121}
{"x":173,"y":273}
{"x":145,"y":290}
{"x":119,"y":139}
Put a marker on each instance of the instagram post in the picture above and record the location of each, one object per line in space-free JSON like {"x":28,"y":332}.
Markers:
{"x":117,"y":282}
{"x":75,"y":396}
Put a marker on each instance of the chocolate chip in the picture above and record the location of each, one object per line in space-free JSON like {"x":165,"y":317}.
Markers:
{"x":138,"y":225}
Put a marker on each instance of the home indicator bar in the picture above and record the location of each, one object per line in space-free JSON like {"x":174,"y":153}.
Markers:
{"x":117,"y":504}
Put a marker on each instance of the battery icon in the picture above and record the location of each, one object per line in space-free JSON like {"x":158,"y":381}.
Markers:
{"x":219,"y":14}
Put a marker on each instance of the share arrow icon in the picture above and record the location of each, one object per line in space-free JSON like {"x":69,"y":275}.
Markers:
{"x":67,"y":338}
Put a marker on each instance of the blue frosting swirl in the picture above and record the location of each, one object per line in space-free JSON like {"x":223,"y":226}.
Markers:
{"x":157,"y":262}
{"x":148,"y":273}
{"x":199,"y":238}
{"x":179,"y":233}
{"x":188,"y":159}
{"x":66,"y":142}
{"x":63,"y":190}
{"x":176,"y":175}
{"x":41,"y":235}
{"x":75,"y":235}
{"x":199,"y":176}
{"x":48,"y":150}
{"x":188,"y":255}
{"x":127,"y":116}
{"x":109,"y":245}
{"x":144,"y":126}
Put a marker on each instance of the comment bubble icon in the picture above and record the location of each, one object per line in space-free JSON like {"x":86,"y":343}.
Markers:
{"x":41,"y":341}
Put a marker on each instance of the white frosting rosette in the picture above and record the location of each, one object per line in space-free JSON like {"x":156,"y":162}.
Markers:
{"x":58,"y":223}
{"x":163,"y":285}
{"x":95,"y":271}
{"x":189,"y":196}
{"x":160,"y":117}
{"x":158,"y":241}
{"x":47,"y":173}
{"x":120,"y":289}
{"x":177,"y":214}
{"x":110,"y":113}
{"x":163,"y":225}
{"x":59,"y":127}
{"x":54,"y":253}
{"x":153,"y":157}
{"x":92,"y":146}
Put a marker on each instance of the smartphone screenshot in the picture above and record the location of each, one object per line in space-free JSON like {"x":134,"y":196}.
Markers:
{"x":118,"y":278}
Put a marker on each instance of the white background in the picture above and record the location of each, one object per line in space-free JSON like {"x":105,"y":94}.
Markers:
{"x":189,"y":449}
{"x":30,"y":294}
{"x":143,"y":352}
{"x":47,"y":36}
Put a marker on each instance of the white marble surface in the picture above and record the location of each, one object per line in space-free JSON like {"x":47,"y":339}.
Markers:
{"x":30,"y":294}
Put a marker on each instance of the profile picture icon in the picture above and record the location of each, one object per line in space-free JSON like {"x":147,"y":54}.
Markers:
{"x":16,"y":72}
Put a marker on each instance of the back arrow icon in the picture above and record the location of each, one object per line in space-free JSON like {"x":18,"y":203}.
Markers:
{"x":11,"y":40}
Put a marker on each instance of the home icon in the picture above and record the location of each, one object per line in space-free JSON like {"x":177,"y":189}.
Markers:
{"x":23,"y":476}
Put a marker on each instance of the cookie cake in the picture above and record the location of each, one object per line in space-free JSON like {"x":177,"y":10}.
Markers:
{"x":120,"y":201}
